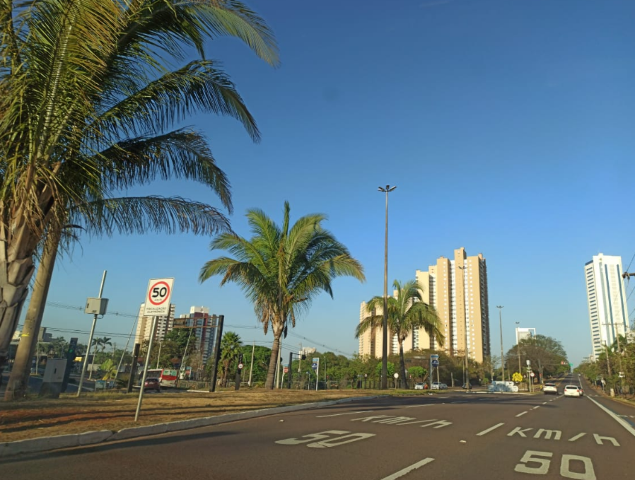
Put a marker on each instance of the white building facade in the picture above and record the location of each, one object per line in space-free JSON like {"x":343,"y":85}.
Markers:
{"x":606,"y":299}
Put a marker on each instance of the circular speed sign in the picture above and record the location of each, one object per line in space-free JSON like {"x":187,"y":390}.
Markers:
{"x":240,"y":366}
{"x":159,"y":292}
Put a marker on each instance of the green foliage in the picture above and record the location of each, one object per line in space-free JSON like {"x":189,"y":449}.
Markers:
{"x":405,"y":312}
{"x":418,"y":373}
{"x":545,"y":353}
{"x":390,"y":367}
{"x":281,"y":269}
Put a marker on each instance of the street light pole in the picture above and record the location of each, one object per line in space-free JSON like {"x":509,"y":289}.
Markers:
{"x":384,"y":348}
{"x":518,"y":345}
{"x":500,"y":317}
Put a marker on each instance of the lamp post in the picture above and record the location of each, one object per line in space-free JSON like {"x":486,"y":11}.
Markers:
{"x":518,"y":345}
{"x":384,"y":347}
{"x":500,"y":317}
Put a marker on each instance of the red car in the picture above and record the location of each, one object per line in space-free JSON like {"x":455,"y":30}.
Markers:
{"x":152,"y":384}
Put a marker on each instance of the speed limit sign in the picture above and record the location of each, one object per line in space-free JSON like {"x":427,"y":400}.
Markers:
{"x":157,"y":301}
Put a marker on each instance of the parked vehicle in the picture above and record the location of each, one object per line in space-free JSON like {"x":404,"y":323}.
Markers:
{"x":420,"y":386}
{"x":438,"y":386}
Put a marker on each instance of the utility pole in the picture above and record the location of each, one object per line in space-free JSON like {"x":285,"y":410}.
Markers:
{"x":90,"y":338}
{"x":500,"y":317}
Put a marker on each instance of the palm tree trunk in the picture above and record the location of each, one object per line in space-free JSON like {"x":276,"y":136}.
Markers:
{"x":19,"y":379}
{"x":16,"y":269}
{"x":273,"y":362}
{"x":402,"y":366}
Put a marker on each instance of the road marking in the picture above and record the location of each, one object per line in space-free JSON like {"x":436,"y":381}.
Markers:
{"x":409,"y":469}
{"x":484,"y":432}
{"x":521,"y":414}
{"x":545,"y":403}
{"x":417,"y":406}
{"x":537,"y":406}
{"x":579,"y":435}
{"x":520,"y":431}
{"x":338,"y":414}
{"x":557,"y":434}
{"x":622,"y":422}
{"x":599,"y":439}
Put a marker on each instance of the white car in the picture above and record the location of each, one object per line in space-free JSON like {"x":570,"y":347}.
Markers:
{"x":573,"y":391}
{"x":550,"y":388}
{"x":438,"y":386}
{"x":420,"y":386}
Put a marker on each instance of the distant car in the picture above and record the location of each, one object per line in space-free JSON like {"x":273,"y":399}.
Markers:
{"x":152,"y":384}
{"x":438,"y":386}
{"x":467,"y":386}
{"x":550,"y":388}
{"x":420,"y":386}
{"x":573,"y":391}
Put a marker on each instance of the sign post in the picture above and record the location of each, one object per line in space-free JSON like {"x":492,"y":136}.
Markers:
{"x":316,"y":367}
{"x":157,"y":304}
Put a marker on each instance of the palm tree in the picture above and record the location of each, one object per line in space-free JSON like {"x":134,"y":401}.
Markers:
{"x":281,"y":269}
{"x":229,"y":352}
{"x":405,"y":313}
{"x":89,"y":100}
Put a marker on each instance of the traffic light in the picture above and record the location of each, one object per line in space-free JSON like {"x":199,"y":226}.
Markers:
{"x":303,"y":357}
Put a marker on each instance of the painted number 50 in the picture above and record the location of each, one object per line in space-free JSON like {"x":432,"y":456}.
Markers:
{"x":537,"y":463}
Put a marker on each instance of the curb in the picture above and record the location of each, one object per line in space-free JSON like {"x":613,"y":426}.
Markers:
{"x":45,"y":444}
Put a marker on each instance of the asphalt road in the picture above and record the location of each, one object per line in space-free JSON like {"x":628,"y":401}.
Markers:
{"x":454,"y":436}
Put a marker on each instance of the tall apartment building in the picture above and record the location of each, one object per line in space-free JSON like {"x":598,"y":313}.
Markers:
{"x":203,"y":329}
{"x":144,"y":325}
{"x":606,"y":298}
{"x":458,"y":291}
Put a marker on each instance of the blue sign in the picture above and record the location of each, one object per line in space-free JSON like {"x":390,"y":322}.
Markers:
{"x":434,"y":360}
{"x":314,"y":366}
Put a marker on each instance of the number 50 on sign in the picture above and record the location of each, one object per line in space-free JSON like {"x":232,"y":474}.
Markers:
{"x":157,"y":301}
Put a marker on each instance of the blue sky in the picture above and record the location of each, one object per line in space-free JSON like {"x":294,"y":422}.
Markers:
{"x":507,"y":127}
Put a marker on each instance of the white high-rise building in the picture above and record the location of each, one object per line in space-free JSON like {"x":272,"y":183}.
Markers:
{"x":606,"y":297}
{"x":524,"y":333}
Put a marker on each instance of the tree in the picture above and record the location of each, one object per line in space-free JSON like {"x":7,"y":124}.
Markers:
{"x":281,"y":269}
{"x":546,"y":354}
{"x":230,"y":348}
{"x":89,"y":97}
{"x":418,"y":373}
{"x":406,"y":312}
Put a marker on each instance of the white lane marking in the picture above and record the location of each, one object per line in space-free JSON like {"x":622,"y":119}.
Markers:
{"x":409,"y":469}
{"x":521,"y":414}
{"x":484,"y":432}
{"x":537,"y":406}
{"x":623,"y":423}
{"x":544,"y":403}
{"x":417,"y":406}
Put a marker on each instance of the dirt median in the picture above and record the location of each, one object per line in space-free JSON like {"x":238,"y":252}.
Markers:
{"x":112,"y":411}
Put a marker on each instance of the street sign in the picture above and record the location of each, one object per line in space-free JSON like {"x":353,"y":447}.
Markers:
{"x":240,"y":367}
{"x":434,"y":360}
{"x":396,"y":375}
{"x":157,"y":301}
{"x":532,"y":374}
{"x":285,"y":369}
{"x":528,"y":362}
